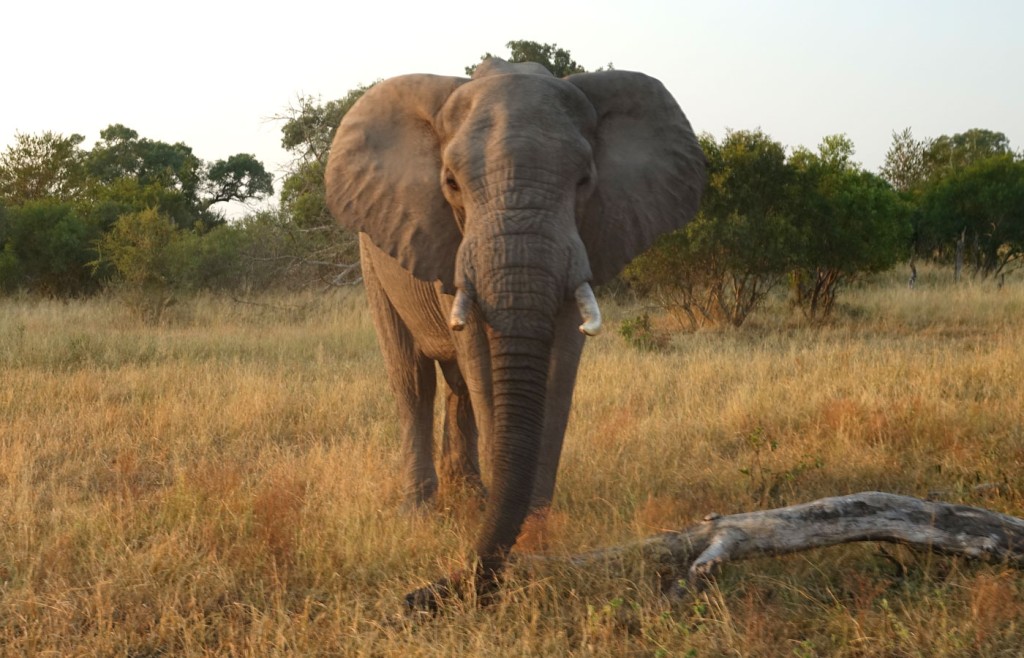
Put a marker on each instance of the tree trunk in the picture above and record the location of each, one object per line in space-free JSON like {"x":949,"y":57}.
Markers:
{"x":700,"y":550}
{"x":958,"y":268}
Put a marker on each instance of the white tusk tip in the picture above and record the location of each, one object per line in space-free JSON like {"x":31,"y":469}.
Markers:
{"x":460,"y":310}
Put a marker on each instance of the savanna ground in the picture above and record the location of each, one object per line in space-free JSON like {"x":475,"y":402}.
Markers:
{"x":224,"y":482}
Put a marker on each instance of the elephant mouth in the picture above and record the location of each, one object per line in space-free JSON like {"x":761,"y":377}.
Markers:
{"x":590,"y":311}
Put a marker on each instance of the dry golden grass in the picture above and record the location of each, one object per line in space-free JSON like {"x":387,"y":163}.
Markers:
{"x":225,"y":483}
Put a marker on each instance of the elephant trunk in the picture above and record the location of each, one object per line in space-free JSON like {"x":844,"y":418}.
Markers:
{"x":519,"y":276}
{"x":520,"y":369}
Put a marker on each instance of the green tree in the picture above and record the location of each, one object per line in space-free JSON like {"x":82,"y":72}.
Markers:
{"x":307,"y":132}
{"x":46,"y":166}
{"x":121,"y":154}
{"x":305,"y":238}
{"x":721,"y":266}
{"x":849,"y":222}
{"x":557,"y":60}
{"x":140,"y":250}
{"x":137,"y":248}
{"x":46,"y":244}
{"x":239,"y":178}
{"x":947,"y":154}
{"x":187,"y":186}
{"x":960,"y":207}
{"x":60,"y":199}
{"x":10,"y":269}
{"x":981,"y":207}
{"x":905,"y":168}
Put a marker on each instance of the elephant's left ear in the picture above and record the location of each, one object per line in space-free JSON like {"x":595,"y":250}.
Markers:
{"x":650,"y":168}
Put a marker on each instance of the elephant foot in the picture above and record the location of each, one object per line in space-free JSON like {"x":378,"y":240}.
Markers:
{"x":479,"y":588}
{"x":430,"y":599}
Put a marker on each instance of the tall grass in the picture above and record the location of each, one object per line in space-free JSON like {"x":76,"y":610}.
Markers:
{"x":225,"y":483}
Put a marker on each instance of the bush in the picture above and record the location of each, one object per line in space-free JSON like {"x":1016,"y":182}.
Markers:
{"x":46,"y":247}
{"x":850,"y":222}
{"x":640,"y":334}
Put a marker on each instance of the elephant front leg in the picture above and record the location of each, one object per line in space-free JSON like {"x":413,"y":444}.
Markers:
{"x":460,"y":462}
{"x":415,"y":396}
{"x":413,"y":381}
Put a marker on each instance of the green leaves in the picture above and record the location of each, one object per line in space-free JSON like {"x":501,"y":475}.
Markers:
{"x":46,"y":244}
{"x":947,"y":154}
{"x":49,"y":165}
{"x":965,"y":193}
{"x":309,"y":125}
{"x":720,"y":267}
{"x":137,"y":248}
{"x":905,"y":166}
{"x":850,"y":222}
{"x":983,"y":203}
{"x":557,"y":60}
{"x":815,"y":216}
{"x":238,"y":178}
{"x":61,"y":201}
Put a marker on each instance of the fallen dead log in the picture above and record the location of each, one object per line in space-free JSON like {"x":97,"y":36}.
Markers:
{"x":945,"y":528}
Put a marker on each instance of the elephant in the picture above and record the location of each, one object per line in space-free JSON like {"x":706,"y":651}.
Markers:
{"x":487,"y":209}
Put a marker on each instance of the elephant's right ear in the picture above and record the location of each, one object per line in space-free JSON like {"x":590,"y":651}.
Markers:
{"x":383,"y":174}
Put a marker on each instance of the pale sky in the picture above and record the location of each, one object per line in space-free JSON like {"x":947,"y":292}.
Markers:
{"x":210,"y":74}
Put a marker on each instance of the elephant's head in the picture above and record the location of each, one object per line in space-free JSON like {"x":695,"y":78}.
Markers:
{"x":515,"y":189}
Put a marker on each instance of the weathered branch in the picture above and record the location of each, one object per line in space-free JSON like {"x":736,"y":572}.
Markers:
{"x":945,"y":528}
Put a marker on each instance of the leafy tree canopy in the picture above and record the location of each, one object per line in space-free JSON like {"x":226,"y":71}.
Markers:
{"x":310,"y":124}
{"x":45,"y":245}
{"x":815,"y":215}
{"x":982,"y":204}
{"x":307,"y":132}
{"x":747,"y":174}
{"x":721,"y":266}
{"x":850,"y":222}
{"x":962,"y":191}
{"x":41,"y":166}
{"x":120,"y":154}
{"x":905,"y":167}
{"x":59,"y":200}
{"x":238,"y":178}
{"x":947,"y":154}
{"x":557,"y":60}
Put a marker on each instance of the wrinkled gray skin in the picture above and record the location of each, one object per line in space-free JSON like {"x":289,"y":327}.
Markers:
{"x":514,"y":188}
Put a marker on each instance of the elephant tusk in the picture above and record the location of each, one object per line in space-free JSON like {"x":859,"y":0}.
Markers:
{"x":460,"y":310}
{"x":589,"y":310}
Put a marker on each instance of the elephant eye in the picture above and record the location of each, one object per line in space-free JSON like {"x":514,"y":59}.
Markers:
{"x":452,"y":184}
{"x":583,"y":181}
